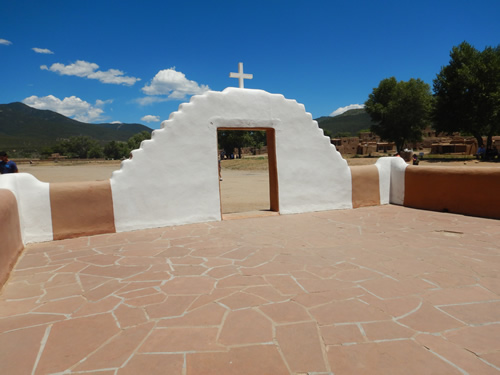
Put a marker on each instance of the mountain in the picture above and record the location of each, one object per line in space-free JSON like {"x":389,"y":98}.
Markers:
{"x":26,"y":128}
{"x":352,"y":121}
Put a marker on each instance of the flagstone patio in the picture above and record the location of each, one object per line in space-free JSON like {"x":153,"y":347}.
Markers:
{"x":378,"y":290}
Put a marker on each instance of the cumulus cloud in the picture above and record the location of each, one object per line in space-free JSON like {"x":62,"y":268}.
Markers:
{"x":90,"y":70}
{"x":5,"y":42}
{"x":341,"y":110}
{"x":72,"y":106}
{"x":43,"y":51}
{"x":171,"y":84}
{"x":151,"y":118}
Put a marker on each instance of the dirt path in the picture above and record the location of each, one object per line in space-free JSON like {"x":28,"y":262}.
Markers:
{"x":54,"y":172}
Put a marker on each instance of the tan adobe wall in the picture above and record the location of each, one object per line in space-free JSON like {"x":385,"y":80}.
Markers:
{"x":461,"y":190}
{"x":11,"y":243}
{"x":365,"y":186}
{"x":81,"y":209}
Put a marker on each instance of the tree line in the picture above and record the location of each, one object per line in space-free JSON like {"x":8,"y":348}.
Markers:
{"x":465,"y":99}
{"x":230,"y":140}
{"x":85,"y":147}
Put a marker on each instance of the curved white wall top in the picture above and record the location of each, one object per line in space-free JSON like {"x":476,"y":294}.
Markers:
{"x":173,"y":178}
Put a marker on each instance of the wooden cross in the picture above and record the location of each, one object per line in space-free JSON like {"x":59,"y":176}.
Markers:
{"x":240,"y":75}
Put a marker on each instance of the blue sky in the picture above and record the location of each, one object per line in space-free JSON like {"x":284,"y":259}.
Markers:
{"x":136,"y":61}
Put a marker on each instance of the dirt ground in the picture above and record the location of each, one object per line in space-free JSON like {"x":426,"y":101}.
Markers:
{"x":102,"y":170}
{"x":244,"y":185}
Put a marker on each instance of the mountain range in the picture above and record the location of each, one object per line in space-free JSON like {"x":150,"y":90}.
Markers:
{"x":349,"y":123}
{"x":24,"y":129}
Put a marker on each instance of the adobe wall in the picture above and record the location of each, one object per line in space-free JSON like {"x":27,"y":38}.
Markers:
{"x":10,"y":234}
{"x":178,"y":187}
{"x":81,"y":209}
{"x":44,"y":212}
{"x":173,"y":178}
{"x":365,"y":186}
{"x":461,"y":190}
{"x":391,"y":179}
{"x":33,"y":202}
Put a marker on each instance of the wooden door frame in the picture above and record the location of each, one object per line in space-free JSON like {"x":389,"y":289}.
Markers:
{"x":272,"y":165}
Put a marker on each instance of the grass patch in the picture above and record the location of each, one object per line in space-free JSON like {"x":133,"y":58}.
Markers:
{"x":259,"y":163}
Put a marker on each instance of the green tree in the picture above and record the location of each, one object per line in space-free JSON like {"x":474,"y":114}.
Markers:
{"x":259,"y":139}
{"x":116,"y":150}
{"x":401,"y":110}
{"x":82,"y":147}
{"x":467,"y":93}
{"x":229,"y":140}
{"x":134,"y":142}
{"x":95,"y":151}
{"x":77,"y":147}
{"x":328,"y":133}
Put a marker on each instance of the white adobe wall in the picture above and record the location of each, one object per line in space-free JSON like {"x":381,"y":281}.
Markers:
{"x":391,"y":171}
{"x":173,"y":178}
{"x":33,"y":203}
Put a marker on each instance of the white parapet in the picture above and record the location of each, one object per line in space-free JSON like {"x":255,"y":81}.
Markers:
{"x":33,"y":202}
{"x":391,"y":179}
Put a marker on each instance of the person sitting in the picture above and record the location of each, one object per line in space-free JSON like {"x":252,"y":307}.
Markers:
{"x":6,"y":165}
{"x":480,"y":152}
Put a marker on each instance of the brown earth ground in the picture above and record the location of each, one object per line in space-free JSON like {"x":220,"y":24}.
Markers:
{"x":244,"y":185}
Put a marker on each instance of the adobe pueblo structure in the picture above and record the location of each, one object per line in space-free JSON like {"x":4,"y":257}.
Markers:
{"x":306,"y":172}
{"x":163,"y":185}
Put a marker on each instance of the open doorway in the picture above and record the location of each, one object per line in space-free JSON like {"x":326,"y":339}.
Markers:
{"x":249,"y":178}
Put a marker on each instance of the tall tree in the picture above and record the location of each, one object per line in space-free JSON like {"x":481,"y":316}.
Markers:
{"x":467,"y":93}
{"x":401,"y":110}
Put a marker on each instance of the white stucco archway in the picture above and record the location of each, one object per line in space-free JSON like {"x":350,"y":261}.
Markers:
{"x":173,"y":178}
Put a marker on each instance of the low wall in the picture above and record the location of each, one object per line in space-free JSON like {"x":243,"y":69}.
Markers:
{"x":365,"y":186}
{"x":461,"y":190}
{"x":11,"y":243}
{"x":81,"y":209}
{"x":32,"y":211}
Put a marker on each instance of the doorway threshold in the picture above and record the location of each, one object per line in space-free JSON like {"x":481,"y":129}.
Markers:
{"x":249,"y":214}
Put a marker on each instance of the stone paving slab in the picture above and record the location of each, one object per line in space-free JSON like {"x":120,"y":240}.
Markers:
{"x":378,"y":290}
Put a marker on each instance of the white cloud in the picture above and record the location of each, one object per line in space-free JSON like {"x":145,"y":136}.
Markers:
{"x":5,"y":42}
{"x":151,"y":118}
{"x":89,"y":70}
{"x":73,"y":107}
{"x":102,"y":103}
{"x":148,"y":100}
{"x":341,"y":110}
{"x":173,"y":85}
{"x":43,"y":50}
